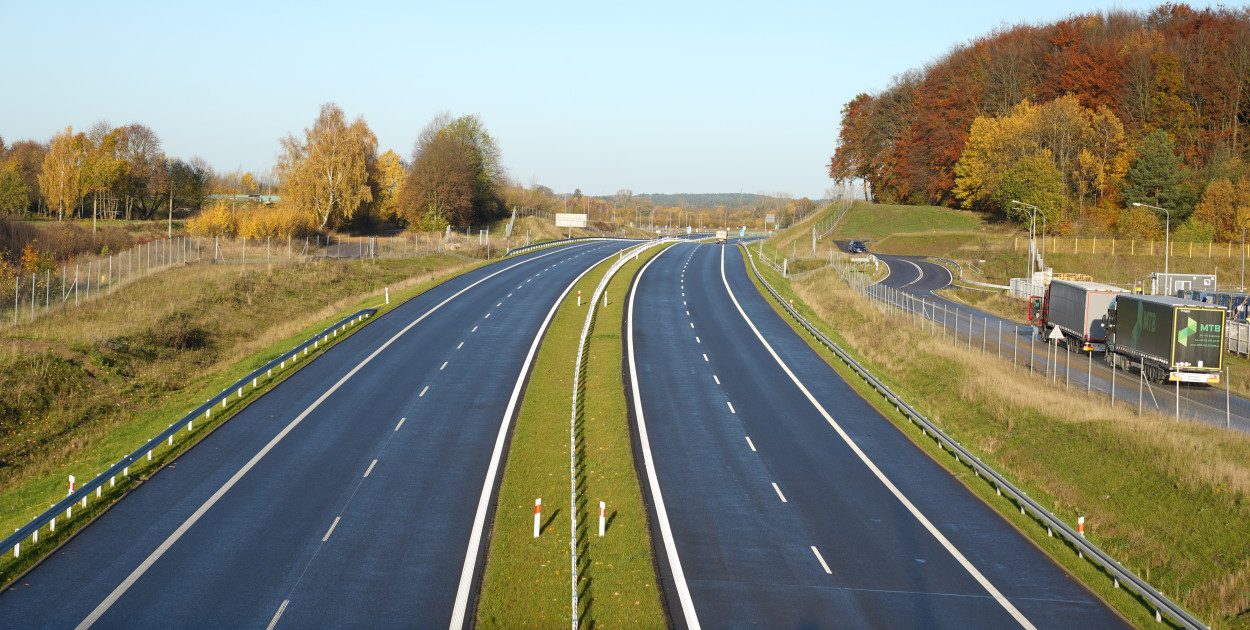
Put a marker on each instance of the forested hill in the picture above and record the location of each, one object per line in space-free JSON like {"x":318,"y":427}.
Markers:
{"x":1079,"y":117}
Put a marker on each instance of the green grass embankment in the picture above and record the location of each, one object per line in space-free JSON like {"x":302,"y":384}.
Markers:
{"x":86,"y":386}
{"x":1166,"y":499}
{"x":527,"y":580}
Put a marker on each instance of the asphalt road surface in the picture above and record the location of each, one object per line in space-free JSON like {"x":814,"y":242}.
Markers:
{"x":780,"y":498}
{"x":911,"y":282}
{"x":351,"y":495}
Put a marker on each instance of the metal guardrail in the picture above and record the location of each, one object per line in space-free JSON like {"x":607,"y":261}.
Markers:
{"x":1054,"y":525}
{"x":122,"y":467}
{"x":563,"y":241}
{"x":972,"y":282}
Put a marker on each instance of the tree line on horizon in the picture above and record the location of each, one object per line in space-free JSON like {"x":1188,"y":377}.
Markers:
{"x":1081,"y":118}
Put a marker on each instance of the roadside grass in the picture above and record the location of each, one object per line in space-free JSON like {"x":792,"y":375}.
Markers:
{"x":1167,"y":500}
{"x":84,"y":387}
{"x":527,"y":579}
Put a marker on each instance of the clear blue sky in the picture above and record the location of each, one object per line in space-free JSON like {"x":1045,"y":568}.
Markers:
{"x":662,"y":97}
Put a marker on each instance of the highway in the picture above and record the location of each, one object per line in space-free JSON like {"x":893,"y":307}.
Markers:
{"x":355,"y":493}
{"x":915,"y":279}
{"x":780,"y":498}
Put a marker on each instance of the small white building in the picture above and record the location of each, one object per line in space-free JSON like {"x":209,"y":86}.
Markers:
{"x":1170,"y":283}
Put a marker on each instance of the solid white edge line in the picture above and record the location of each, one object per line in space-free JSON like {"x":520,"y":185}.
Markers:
{"x":898,"y":494}
{"x":401,"y":423}
{"x":483,"y":504}
{"x":370,"y":469}
{"x":333,"y":525}
{"x":821,"y":559}
{"x":278,"y":615}
{"x":782,"y":496}
{"x":234,"y":479}
{"x":666,"y":530}
{"x":751,"y":444}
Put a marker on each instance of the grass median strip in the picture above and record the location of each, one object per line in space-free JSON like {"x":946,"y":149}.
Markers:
{"x":111,"y":351}
{"x":1167,"y":500}
{"x":527,"y":579}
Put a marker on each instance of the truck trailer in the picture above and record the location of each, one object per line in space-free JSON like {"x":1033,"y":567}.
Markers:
{"x":722,"y":237}
{"x":1076,"y":309}
{"x":1166,"y":338}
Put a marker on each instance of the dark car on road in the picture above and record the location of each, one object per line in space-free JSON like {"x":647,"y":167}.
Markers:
{"x":857,"y":247}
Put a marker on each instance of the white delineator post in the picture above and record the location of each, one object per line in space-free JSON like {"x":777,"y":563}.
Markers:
{"x":538,"y":506}
{"x":71,"y":486}
{"x":602,"y":509}
{"x":388,"y":295}
{"x":579,"y":298}
{"x":1080,"y":526}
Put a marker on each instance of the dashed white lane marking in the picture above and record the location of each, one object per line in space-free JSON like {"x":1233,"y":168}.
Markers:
{"x":692,"y":324}
{"x":751,"y":444}
{"x":440,"y":369}
{"x":499,"y":304}
{"x":783,"y":497}
{"x":687,"y":313}
{"x":401,"y":423}
{"x":474,"y":329}
{"x":278,"y":615}
{"x":821,"y":559}
{"x":683,"y":295}
{"x":423,"y":391}
{"x":731,"y":407}
{"x":683,"y":302}
{"x":530,"y":280}
{"x":460,"y":345}
{"x":705,"y":358}
{"x":509,"y":295}
{"x":375,"y":463}
{"x":696,"y":339}
{"x":331,"y":530}
{"x":716,"y":379}
{"x":487,"y":316}
{"x":863,"y":457}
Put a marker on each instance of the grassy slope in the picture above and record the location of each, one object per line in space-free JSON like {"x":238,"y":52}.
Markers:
{"x":84,"y":387}
{"x":527,"y":583}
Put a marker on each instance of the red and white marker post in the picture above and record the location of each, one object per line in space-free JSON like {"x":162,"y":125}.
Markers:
{"x":1080,"y":526}
{"x":71,"y":486}
{"x":579,"y":298}
{"x":538,"y":506}
{"x":602,"y":510}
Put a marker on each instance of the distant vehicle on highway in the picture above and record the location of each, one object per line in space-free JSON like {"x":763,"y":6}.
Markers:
{"x":722,"y":236}
{"x":857,"y":247}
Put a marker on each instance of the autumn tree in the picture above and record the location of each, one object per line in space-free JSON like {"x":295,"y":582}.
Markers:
{"x":146,"y":180}
{"x":440,"y":186}
{"x":60,"y":177}
{"x":388,"y":179}
{"x":1225,"y":205}
{"x":102,"y":165}
{"x":14,"y":194}
{"x":327,"y":172}
{"x":1035,"y":180}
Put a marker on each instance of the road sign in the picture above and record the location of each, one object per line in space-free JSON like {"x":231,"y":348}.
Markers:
{"x":570,"y":220}
{"x":688,"y":229}
{"x":1056,"y":334}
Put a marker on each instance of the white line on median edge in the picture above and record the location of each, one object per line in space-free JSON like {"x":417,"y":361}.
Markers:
{"x":479,"y":519}
{"x":278,"y":615}
{"x":234,"y":479}
{"x":335,"y":523}
{"x":821,"y":559}
{"x":898,"y":494}
{"x":666,"y":530}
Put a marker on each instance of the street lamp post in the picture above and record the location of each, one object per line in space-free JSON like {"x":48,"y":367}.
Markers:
{"x":1167,"y":247}
{"x":1033,"y":211}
